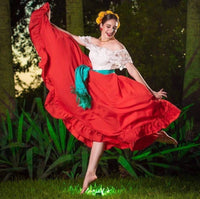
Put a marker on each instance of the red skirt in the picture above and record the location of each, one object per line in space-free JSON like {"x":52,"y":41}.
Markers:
{"x":123,"y":114}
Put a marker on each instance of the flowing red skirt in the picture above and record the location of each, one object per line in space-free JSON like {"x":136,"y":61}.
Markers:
{"x":124,"y":113}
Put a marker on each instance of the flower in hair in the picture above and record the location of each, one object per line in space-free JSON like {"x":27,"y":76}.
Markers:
{"x":103,"y":13}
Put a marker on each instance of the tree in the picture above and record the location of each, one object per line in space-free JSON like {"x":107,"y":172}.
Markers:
{"x":7,"y":94}
{"x":191,"y":89}
{"x":74,"y":17}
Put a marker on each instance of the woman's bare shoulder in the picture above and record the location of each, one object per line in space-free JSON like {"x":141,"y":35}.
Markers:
{"x":117,"y":45}
{"x":94,"y":40}
{"x":112,"y":44}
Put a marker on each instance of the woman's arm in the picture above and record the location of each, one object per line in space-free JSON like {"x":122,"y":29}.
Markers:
{"x":132,"y":70}
{"x":74,"y":36}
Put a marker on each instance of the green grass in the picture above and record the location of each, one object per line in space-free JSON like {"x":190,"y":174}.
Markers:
{"x":141,"y":188}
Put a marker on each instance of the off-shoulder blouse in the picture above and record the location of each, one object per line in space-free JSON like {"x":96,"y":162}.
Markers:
{"x":105,"y":59}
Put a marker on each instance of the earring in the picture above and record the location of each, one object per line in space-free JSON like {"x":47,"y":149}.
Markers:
{"x":101,"y":29}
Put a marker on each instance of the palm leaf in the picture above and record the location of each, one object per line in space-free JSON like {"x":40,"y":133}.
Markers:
{"x":40,"y":106}
{"x":163,"y":165}
{"x":109,"y":158}
{"x":70,"y":143}
{"x":61,"y":160}
{"x":119,"y":151}
{"x":20,"y":127}
{"x":54,"y":136}
{"x":5,"y":162}
{"x":48,"y":152}
{"x":12,"y":169}
{"x":185,"y":109}
{"x":29,"y":160}
{"x":28,"y":134}
{"x":144,"y":170}
{"x":4,"y":127}
{"x":10,"y":131}
{"x":34,"y":125}
{"x":141,"y":156}
{"x":189,"y":146}
{"x":13,"y":145}
{"x":62,"y":131}
{"x":127,"y":166}
{"x":72,"y":173}
{"x":85,"y":156}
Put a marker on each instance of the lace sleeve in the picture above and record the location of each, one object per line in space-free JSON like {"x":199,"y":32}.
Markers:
{"x":86,"y":40}
{"x":121,"y":58}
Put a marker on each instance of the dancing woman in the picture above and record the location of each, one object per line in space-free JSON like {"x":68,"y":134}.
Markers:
{"x":105,"y":110}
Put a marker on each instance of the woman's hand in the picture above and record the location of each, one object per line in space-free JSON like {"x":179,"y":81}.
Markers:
{"x":161,"y":93}
{"x":49,"y":14}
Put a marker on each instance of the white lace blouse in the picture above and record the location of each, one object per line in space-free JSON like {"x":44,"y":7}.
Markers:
{"x":104,"y":59}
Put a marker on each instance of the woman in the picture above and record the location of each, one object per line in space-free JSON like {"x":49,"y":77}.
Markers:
{"x":106,"y":110}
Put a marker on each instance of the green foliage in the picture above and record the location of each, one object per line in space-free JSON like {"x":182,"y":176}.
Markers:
{"x":125,"y":163}
{"x":36,"y":146}
{"x":13,"y":147}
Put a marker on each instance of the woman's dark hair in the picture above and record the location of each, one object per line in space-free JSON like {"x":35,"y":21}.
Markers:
{"x":108,"y":17}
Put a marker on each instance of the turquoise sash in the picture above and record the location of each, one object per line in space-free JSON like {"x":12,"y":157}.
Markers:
{"x":81,"y":74}
{"x":105,"y":72}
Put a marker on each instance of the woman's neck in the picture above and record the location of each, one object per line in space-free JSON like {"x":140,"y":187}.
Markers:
{"x":102,"y":39}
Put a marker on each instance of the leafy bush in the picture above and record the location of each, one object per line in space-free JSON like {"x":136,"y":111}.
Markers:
{"x":37,"y":146}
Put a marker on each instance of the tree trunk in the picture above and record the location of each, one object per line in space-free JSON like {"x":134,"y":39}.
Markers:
{"x":7,"y":92}
{"x":74,"y":18}
{"x":191,"y":90}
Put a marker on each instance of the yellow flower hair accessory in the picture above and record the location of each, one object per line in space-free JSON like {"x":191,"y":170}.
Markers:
{"x":103,"y":13}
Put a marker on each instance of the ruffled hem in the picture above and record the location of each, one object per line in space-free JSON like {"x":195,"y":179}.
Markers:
{"x":132,"y":138}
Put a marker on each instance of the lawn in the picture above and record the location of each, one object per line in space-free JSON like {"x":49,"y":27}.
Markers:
{"x":141,"y":188}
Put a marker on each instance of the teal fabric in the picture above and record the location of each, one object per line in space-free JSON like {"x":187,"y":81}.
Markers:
{"x":105,"y":72}
{"x":82,"y":96}
{"x":81,"y":74}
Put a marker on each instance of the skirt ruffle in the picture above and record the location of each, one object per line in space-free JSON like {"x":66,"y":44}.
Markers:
{"x":123,"y":112}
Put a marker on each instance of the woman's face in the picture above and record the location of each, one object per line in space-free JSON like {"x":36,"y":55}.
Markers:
{"x":109,"y":28}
